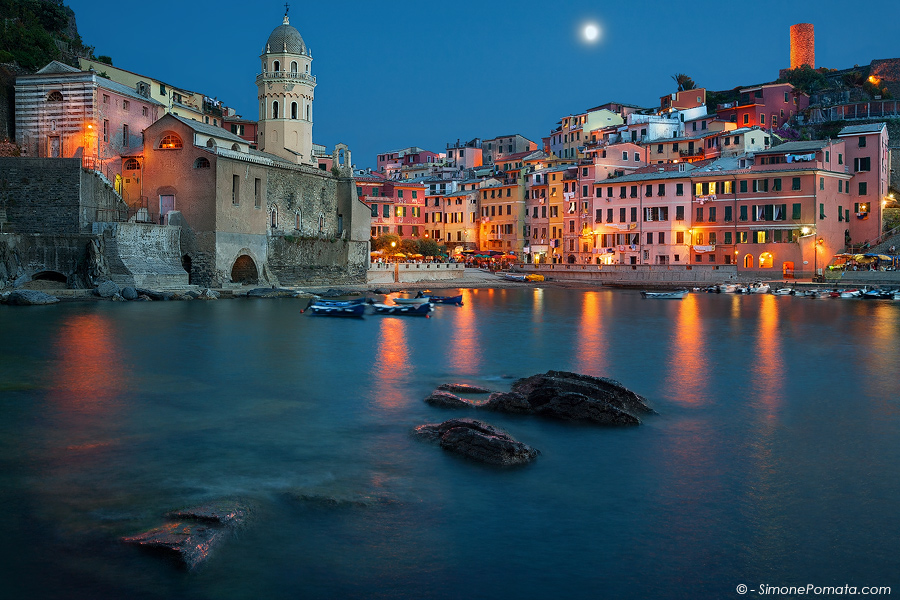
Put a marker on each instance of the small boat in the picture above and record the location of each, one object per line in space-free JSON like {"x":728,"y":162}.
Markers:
{"x":758,"y":288}
{"x":897,"y":295}
{"x":534,"y":277}
{"x":728,"y":288}
{"x":677,"y":295}
{"x":445,"y":299}
{"x":850,"y":293}
{"x":513,"y":276}
{"x":331,"y":310}
{"x":330,"y":302}
{"x":421,"y":309}
{"x":877,"y":295}
{"x":416,"y":300}
{"x":783,"y":292}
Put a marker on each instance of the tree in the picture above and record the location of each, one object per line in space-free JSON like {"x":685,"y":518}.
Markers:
{"x":383,"y":242}
{"x":805,"y":78}
{"x":684,"y":82}
{"x":105,"y":60}
{"x":429,"y":247}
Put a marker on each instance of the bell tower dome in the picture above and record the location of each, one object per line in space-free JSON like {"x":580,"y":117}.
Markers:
{"x":286,"y":89}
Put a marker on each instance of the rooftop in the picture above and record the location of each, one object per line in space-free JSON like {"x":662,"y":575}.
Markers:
{"x":858,"y":129}
{"x":795,"y":147}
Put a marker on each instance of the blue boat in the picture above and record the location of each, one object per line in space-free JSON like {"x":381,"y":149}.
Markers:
{"x":442,"y":299}
{"x":412,"y":310}
{"x":328,"y":302}
{"x":332,"y":310}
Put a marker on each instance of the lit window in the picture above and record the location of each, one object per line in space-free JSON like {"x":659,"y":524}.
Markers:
{"x":170,"y":142}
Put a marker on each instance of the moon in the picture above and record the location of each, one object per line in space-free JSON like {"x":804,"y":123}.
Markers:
{"x":591,"y":32}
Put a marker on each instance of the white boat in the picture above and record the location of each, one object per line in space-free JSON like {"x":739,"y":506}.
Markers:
{"x":513,"y":276}
{"x":851,"y":294}
{"x":421,"y":300}
{"x":677,"y":295}
{"x":728,"y":288}
{"x":759,"y":288}
{"x":897,"y":295}
{"x":783,"y":292}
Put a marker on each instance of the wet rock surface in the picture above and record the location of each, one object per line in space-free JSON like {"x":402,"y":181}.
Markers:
{"x":479,"y":441}
{"x":464,"y":388}
{"x":107,"y":289}
{"x":271,"y":293}
{"x":558,"y":394}
{"x":29,"y":298}
{"x":442,"y":399}
{"x":192,"y":533}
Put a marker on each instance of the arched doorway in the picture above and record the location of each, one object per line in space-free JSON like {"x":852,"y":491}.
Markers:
{"x":765,"y":260}
{"x":571,"y":259}
{"x":186,"y":264}
{"x":748,"y":261}
{"x":787,"y":270}
{"x":244,"y":270}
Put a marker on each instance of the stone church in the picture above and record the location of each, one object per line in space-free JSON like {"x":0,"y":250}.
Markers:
{"x":257,"y":216}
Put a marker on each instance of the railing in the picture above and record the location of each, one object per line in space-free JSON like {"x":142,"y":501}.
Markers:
{"x":695,"y":152}
{"x":289,"y":75}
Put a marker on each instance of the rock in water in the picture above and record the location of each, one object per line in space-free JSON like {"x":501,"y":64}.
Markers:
{"x":29,"y":298}
{"x":479,"y":441}
{"x":129,"y":293}
{"x":107,"y":289}
{"x":540,"y":389}
{"x":572,"y":406}
{"x":447,"y":400}
{"x":193,"y":533}
{"x":510,"y":402}
{"x":463,"y":388}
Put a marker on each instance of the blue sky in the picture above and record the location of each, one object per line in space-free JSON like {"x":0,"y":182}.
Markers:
{"x":398,"y":74}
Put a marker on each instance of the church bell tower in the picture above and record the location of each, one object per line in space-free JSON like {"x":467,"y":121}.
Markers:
{"x":286,"y":89}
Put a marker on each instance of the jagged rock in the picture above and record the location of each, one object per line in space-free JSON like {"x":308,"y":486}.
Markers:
{"x":208,"y":294}
{"x":194,"y":534}
{"x":510,"y":402}
{"x":479,"y":441}
{"x":380,"y":292}
{"x":29,"y":298}
{"x":155,"y":295}
{"x":192,"y":294}
{"x":129,"y":293}
{"x":540,"y":389}
{"x":21,"y":280}
{"x":573,"y":406}
{"x":441,"y":399}
{"x":107,"y":289}
{"x":464,"y":388}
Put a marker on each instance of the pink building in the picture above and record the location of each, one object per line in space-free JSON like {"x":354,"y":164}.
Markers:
{"x":243,"y":128}
{"x":868,"y":160}
{"x":767,"y":106}
{"x":397,"y":207}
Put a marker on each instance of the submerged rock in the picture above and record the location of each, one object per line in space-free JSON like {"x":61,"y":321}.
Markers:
{"x":29,"y":298}
{"x":193,"y":533}
{"x":270,"y":293}
{"x":463,"y":388}
{"x":479,"y":441}
{"x":154,"y":295}
{"x":447,"y":400}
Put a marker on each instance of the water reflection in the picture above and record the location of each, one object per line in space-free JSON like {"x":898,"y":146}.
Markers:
{"x":688,"y":362}
{"x":591,"y":346}
{"x":768,"y":367}
{"x":90,"y":374}
{"x":464,"y":354}
{"x":392,"y":362}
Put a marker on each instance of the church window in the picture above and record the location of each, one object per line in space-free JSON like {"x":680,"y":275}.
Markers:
{"x":322,"y":222}
{"x":275,"y":109}
{"x":200,"y":163}
{"x":55,"y":96}
{"x":293,"y":110}
{"x":294,"y":67}
{"x":307,"y":112}
{"x":274,"y":218}
{"x":276,"y":66}
{"x":235,"y":147}
{"x":170,"y":142}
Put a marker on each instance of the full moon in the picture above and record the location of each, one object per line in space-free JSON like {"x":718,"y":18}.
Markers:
{"x":591,"y":33}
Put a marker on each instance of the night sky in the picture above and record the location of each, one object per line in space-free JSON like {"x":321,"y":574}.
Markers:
{"x":397,"y":74}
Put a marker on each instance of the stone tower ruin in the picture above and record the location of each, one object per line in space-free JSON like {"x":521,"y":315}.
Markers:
{"x":803,"y":45}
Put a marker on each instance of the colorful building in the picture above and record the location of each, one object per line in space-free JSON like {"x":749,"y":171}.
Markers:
{"x":768,"y":106}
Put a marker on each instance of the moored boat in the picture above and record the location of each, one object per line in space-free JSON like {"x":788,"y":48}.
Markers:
{"x":421,"y":309}
{"x":676,"y":295}
{"x":332,"y":310}
{"x":783,"y":292}
{"x":445,"y":299}
{"x":417,"y":300}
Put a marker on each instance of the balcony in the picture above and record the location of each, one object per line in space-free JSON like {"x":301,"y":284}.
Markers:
{"x":689,"y":153}
{"x":285,"y":77}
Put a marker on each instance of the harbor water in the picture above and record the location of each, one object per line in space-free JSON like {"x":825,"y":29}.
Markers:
{"x":774,"y":458}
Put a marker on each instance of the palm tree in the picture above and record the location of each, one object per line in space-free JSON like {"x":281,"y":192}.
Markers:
{"x":684,"y":82}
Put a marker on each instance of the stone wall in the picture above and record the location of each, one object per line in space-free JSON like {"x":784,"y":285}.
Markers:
{"x":316,"y":261}
{"x":24,"y":256}
{"x":54,"y":196}
{"x":648,"y":274}
{"x":143,"y":255}
{"x":384,"y":273}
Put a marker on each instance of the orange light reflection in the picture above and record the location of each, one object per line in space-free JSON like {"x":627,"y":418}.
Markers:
{"x":392,"y":362}
{"x":688,"y":365}
{"x":592,"y":340}
{"x":464,"y":355}
{"x":768,"y":368}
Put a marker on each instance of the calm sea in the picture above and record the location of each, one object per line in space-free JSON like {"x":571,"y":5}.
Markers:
{"x":774,"y":459}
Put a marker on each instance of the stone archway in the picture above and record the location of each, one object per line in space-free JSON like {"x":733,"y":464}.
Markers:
{"x":571,"y":259}
{"x":54,"y":276}
{"x":244,"y":270}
